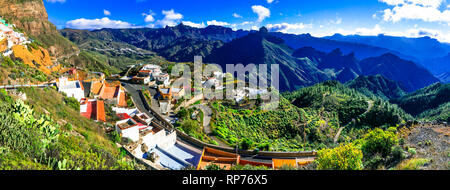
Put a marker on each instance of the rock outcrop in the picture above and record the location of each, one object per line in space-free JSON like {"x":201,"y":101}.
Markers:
{"x":31,"y":17}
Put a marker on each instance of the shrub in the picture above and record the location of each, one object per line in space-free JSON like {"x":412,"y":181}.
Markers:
{"x":378,"y":141}
{"x":412,"y":151}
{"x":398,"y":153}
{"x":72,"y":102}
{"x":246,"y":144}
{"x":413,"y":164}
{"x":343,"y":157}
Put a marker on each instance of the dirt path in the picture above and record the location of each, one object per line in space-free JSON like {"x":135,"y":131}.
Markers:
{"x":207,"y":114}
{"x":369,"y":107}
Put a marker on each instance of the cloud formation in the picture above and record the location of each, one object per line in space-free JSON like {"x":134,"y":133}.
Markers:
{"x":286,"y":27}
{"x":217,"y":23}
{"x":171,"y":18}
{"x":425,"y":10}
{"x":106,"y":12}
{"x":90,"y":24}
{"x":261,"y":11}
{"x":235,"y":15}
{"x":56,"y":1}
{"x":193,"y":24}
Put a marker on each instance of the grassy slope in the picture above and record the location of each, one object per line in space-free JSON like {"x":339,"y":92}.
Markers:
{"x":81,"y":143}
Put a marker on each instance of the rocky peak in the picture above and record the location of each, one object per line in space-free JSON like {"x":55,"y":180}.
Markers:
{"x":31,"y":17}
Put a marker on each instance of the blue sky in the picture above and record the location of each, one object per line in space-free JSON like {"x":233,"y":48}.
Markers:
{"x":412,"y":18}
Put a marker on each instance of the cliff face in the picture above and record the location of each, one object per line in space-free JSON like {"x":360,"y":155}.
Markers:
{"x":35,"y":58}
{"x":31,"y":17}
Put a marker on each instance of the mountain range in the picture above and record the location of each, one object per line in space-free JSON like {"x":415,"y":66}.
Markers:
{"x":304,"y":60}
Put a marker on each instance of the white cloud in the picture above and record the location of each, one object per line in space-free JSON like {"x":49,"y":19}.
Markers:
{"x":56,"y":1}
{"x":270,"y":1}
{"x":336,"y":22}
{"x":286,"y":27}
{"x":192,"y":24}
{"x":217,"y":23}
{"x":426,"y":10}
{"x":426,"y":3}
{"x":261,"y":11}
{"x":411,"y":33}
{"x":235,"y":15}
{"x":171,"y":18}
{"x":246,"y":23}
{"x":106,"y":12}
{"x":105,"y":22}
{"x":149,"y":18}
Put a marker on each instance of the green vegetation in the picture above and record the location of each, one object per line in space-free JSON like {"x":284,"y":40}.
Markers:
{"x":413,"y":164}
{"x":434,"y":101}
{"x":343,"y":157}
{"x":306,"y":119}
{"x":15,"y":70}
{"x":191,"y":122}
{"x":72,"y":102}
{"x":378,"y":141}
{"x":377,"y":86}
{"x":32,"y":140}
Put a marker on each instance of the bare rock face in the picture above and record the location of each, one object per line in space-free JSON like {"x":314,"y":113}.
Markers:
{"x":31,"y":17}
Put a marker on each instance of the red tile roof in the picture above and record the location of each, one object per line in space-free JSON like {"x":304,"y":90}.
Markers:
{"x":101,"y":111}
{"x":123,"y":116}
{"x":95,"y":110}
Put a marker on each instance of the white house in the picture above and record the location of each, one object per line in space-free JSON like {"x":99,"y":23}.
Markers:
{"x":71,"y":88}
{"x":153,"y":136}
{"x":152,"y":68}
{"x":128,"y":128}
{"x":162,"y":78}
{"x":130,"y":112}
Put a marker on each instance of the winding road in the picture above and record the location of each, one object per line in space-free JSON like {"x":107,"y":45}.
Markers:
{"x":369,"y":107}
{"x":207,"y":114}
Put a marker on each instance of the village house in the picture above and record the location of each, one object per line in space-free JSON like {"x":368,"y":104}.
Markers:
{"x":71,"y":88}
{"x":112,"y":93}
{"x":165,"y":93}
{"x":129,"y":128}
{"x":10,"y":38}
{"x":162,"y":78}
{"x":157,"y":136}
{"x":93,"y":109}
{"x":152,"y":69}
{"x":143,"y":118}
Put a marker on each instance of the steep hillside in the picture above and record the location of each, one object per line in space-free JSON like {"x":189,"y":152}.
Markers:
{"x":179,"y":43}
{"x":361,"y":51}
{"x":31,"y":17}
{"x":421,"y":48}
{"x":410,"y":75}
{"x":433,"y":99}
{"x":43,"y":133}
{"x":439,"y":66}
{"x":377,"y":85}
{"x":351,"y":107}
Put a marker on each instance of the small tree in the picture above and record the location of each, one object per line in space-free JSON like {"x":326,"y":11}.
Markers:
{"x":378,"y":141}
{"x":343,"y":157}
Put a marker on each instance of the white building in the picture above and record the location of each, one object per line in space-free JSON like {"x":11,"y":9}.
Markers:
{"x":153,"y":136}
{"x":163,"y":78}
{"x":71,"y":88}
{"x":130,"y":112}
{"x":152,"y":68}
{"x":128,"y":128}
